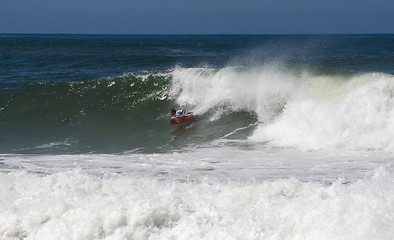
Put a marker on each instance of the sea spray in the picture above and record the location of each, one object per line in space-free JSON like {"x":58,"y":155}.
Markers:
{"x":262,"y":90}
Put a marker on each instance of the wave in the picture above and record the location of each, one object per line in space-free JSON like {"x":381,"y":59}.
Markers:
{"x":274,"y":105}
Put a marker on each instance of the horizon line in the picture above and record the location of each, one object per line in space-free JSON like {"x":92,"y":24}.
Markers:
{"x":194,"y":34}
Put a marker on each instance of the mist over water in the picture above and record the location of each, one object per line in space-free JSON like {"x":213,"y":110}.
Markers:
{"x":292,"y":137}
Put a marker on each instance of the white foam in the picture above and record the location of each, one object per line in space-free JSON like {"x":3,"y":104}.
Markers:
{"x":360,"y":118}
{"x":297,"y":109}
{"x":54,"y":144}
{"x":74,"y":205}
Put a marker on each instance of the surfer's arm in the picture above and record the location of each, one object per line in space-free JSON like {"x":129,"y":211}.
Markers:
{"x":183,"y":111}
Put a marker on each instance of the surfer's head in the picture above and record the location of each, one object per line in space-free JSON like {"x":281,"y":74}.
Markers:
{"x":173,"y":111}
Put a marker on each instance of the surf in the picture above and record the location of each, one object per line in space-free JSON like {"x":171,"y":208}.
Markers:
{"x":73,"y":204}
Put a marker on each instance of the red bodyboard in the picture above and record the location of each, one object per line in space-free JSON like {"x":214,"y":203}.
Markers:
{"x":181,"y":119}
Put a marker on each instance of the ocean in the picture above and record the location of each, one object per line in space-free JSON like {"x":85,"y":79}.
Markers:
{"x":293,"y":137}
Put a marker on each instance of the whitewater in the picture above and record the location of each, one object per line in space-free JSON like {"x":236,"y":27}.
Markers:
{"x":297,"y":108}
{"x":296,"y":145}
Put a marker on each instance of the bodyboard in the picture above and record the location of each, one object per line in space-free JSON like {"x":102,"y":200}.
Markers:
{"x":181,"y":119}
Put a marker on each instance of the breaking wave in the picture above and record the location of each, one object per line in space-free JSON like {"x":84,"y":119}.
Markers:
{"x":305,"y":108}
{"x":299,"y":107}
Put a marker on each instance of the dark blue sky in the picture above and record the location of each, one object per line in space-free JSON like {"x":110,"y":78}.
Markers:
{"x":197,"y":16}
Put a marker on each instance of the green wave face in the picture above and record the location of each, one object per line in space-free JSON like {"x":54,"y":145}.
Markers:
{"x":105,"y":115}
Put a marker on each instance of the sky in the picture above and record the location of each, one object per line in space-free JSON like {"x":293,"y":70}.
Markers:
{"x":197,"y":16}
